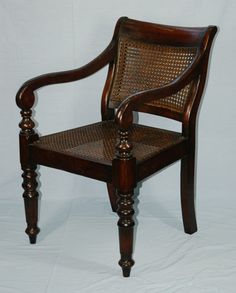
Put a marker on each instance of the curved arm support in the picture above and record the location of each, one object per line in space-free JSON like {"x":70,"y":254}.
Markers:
{"x":124,"y":116}
{"x":25,"y":96}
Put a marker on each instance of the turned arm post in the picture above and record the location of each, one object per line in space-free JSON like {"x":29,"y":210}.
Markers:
{"x":25,"y":100}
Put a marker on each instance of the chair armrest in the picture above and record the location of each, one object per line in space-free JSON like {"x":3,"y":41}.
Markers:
{"x":25,"y":96}
{"x":124,"y":116}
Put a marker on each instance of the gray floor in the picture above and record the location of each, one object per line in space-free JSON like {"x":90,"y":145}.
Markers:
{"x":77,"y":250}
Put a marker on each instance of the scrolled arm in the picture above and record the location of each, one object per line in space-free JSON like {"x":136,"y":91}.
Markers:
{"x":124,"y":116}
{"x":25,"y":96}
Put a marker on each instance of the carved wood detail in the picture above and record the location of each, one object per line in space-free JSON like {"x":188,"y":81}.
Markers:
{"x":125,"y":211}
{"x":30,"y":196}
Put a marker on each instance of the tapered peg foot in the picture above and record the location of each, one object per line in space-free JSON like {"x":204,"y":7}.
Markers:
{"x":32,"y":239}
{"x":32,"y":233}
{"x":126,"y":267}
{"x":126,"y":272}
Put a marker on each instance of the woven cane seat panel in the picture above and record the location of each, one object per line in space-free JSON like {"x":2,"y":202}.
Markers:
{"x":142,"y":66}
{"x":97,"y":141}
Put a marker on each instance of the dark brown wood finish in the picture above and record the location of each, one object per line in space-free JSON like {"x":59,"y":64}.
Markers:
{"x":124,"y":179}
{"x":30,"y":195}
{"x":115,"y":150}
{"x":112,"y":192}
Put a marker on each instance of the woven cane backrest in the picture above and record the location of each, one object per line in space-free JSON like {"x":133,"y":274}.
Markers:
{"x":144,"y":65}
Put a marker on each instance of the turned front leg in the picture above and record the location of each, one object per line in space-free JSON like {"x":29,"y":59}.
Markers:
{"x":30,"y":196}
{"x":124,"y":178}
{"x":126,"y":227}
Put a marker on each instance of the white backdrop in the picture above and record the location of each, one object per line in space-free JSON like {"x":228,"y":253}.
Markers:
{"x":50,"y":35}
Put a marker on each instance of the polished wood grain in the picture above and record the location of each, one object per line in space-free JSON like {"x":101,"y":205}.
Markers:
{"x":124,"y":167}
{"x":115,"y":150}
{"x":112,"y":193}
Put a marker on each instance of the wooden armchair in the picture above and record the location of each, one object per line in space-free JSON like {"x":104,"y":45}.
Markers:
{"x":153,"y":68}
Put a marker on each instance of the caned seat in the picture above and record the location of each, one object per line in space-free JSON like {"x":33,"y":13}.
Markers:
{"x":152,"y":68}
{"x":96,"y":142}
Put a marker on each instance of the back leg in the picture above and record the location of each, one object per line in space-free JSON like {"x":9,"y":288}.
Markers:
{"x":112,"y":196}
{"x":187,"y":194}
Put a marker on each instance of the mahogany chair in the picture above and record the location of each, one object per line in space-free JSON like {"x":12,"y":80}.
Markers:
{"x":153,"y":68}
